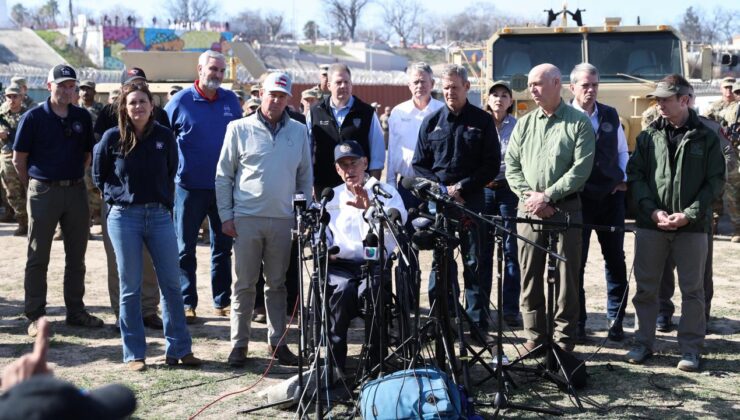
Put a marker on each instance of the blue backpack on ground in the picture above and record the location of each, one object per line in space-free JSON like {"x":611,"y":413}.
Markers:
{"x":425,"y":393}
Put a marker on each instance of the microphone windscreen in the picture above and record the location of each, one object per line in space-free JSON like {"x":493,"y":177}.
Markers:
{"x":394,"y":215}
{"x":408,"y":182}
{"x":327,"y":193}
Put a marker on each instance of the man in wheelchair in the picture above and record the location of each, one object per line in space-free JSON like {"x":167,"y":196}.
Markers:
{"x":350,"y":209}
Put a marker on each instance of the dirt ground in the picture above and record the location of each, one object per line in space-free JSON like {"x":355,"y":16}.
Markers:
{"x":90,"y":358}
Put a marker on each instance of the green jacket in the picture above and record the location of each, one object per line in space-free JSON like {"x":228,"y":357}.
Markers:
{"x":699,"y":177}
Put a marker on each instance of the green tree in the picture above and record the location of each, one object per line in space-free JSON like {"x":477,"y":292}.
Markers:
{"x":20,"y":14}
{"x":311,"y":31}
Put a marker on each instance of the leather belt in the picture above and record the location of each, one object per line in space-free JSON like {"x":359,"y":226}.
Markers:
{"x":62,"y":182}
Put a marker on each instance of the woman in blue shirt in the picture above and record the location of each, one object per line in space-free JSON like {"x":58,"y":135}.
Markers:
{"x":134,"y":166}
{"x":501,"y":201}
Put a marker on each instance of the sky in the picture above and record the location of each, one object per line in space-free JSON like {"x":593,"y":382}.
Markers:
{"x":300,"y":11}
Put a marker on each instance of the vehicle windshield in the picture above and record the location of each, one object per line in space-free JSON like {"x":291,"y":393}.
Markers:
{"x":649,"y":56}
{"x":517,"y":54}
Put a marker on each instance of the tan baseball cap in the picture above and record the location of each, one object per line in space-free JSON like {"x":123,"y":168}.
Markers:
{"x":727,"y":82}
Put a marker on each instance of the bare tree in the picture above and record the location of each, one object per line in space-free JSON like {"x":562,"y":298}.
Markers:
{"x":274,"y":23}
{"x":402,"y":18}
{"x":190,"y":10}
{"x":251,"y":26}
{"x":718,"y":27}
{"x":344,"y":15}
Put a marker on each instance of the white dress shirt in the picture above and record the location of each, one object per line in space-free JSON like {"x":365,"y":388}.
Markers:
{"x":403,"y":133}
{"x":621,"y":137}
{"x":347,"y":226}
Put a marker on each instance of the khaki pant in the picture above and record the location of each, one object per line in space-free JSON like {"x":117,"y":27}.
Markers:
{"x":149,"y":286}
{"x":534,"y":288}
{"x":260,"y":240}
{"x":47,"y":206}
{"x":688,"y":251}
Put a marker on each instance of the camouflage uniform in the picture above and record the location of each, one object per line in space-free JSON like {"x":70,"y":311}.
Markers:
{"x":14,"y":190}
{"x":716,"y":110}
{"x":93,"y":194}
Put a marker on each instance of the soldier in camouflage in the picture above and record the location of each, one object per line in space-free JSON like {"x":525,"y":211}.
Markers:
{"x":716,"y":109}
{"x":731,"y":123}
{"x":87,"y":101}
{"x":14,"y":190}
{"x":28,"y":102}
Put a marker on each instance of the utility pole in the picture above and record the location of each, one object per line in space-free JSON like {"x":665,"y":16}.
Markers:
{"x":71,"y":36}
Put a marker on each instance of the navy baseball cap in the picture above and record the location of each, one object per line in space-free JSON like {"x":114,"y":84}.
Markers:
{"x":45,"y":397}
{"x":349,"y":148}
{"x":129,"y":75}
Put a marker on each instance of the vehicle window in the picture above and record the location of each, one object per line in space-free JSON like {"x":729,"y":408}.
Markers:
{"x":517,"y":54}
{"x":649,"y":56}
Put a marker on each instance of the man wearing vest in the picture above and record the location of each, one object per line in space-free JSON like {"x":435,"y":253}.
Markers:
{"x":339,"y":118}
{"x":603,"y":198}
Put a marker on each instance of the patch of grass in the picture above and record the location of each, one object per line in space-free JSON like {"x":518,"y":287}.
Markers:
{"x":431,"y":57}
{"x":76,"y":57}
{"x":323,"y":50}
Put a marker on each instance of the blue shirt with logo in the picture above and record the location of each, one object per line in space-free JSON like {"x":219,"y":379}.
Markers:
{"x":57,"y":147}
{"x":145,"y":175}
{"x":199,"y":126}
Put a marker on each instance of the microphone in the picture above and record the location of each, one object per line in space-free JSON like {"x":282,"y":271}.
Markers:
{"x":369,"y":214}
{"x":419,"y":219}
{"x":378,"y":190}
{"x":326,"y":196}
{"x":394,"y":216}
{"x":370,"y":247}
{"x":425,"y":189}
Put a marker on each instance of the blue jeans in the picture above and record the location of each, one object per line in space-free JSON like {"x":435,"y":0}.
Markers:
{"x":477,"y":290}
{"x":608,"y":211}
{"x":130,"y":228}
{"x":502,"y":202}
{"x":191,"y":207}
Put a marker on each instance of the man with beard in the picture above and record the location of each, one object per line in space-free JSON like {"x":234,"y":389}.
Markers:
{"x":198,"y":116}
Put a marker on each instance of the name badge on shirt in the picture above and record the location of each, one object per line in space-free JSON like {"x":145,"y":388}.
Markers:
{"x":323,"y":122}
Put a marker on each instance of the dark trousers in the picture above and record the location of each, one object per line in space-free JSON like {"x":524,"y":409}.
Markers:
{"x":347,"y":285}
{"x":477,"y":289}
{"x":502,"y":202}
{"x":668,"y":284}
{"x":608,"y":211}
{"x":191,"y":207}
{"x":47,"y":206}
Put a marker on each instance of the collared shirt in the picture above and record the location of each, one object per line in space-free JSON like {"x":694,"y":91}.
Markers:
{"x":258,"y":172}
{"x":375,"y":137}
{"x":460,"y":148}
{"x":57,"y":147}
{"x":621,"y":137}
{"x":504,"y":133}
{"x":552,"y":154}
{"x":145,"y":175}
{"x":199,"y":125}
{"x":347,"y":225}
{"x":273,"y":129}
{"x":403,"y":133}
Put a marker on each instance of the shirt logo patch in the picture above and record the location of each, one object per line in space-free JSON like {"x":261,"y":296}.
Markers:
{"x":227,"y":111}
{"x":356,"y":122}
{"x":607,"y":127}
{"x":323,"y":122}
{"x":77,"y":127}
{"x":344,"y":148}
{"x":159,"y":145}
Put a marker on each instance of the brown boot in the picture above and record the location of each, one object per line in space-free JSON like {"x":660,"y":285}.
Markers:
{"x":283,"y":355}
